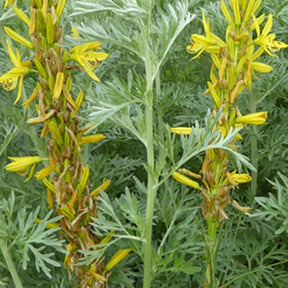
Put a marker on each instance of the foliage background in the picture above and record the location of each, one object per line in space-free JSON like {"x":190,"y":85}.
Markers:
{"x":253,"y":250}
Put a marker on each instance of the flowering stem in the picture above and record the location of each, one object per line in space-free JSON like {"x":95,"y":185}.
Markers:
{"x":10,"y":265}
{"x":211,"y":249}
{"x":150,"y":154}
{"x":150,"y":199}
{"x":254,"y":148}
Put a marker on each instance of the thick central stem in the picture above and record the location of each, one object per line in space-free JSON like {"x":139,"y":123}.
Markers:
{"x":150,"y":154}
{"x":150,"y":200}
{"x":211,"y":248}
{"x":10,"y":265}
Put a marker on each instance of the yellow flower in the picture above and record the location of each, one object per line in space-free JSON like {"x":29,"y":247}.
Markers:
{"x":107,"y":238}
{"x":258,"y":118}
{"x":21,"y":164}
{"x":45,"y":172}
{"x":18,"y":38}
{"x":102,"y":187}
{"x":68,"y":258}
{"x":75,"y":32}
{"x":210,"y":43}
{"x":261,"y":67}
{"x":234,"y":178}
{"x":265,"y":41}
{"x":88,"y":59}
{"x":257,"y":66}
{"x":49,"y":225}
{"x":92,"y":138}
{"x":241,"y":178}
{"x":185,"y":180}
{"x":116,"y":258}
{"x":181,"y":130}
{"x":10,"y":79}
{"x":8,"y":2}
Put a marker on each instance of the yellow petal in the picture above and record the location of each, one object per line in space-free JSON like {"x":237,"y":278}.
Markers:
{"x":84,"y":178}
{"x":95,"y":56}
{"x":45,"y":172}
{"x":261,"y":67}
{"x":227,"y":15}
{"x":11,"y":54}
{"x":21,"y":15}
{"x":92,"y":138}
{"x":18,"y":38}
{"x":268,"y":25}
{"x":253,"y":118}
{"x":33,"y":96}
{"x":22,"y":163}
{"x":185,"y":180}
{"x":102,"y":187}
{"x":19,"y":89}
{"x":214,"y":95}
{"x":79,"y":100}
{"x":117,"y":257}
{"x":181,"y":130}
{"x":241,"y":178}
{"x":49,"y":225}
{"x":58,"y":85}
{"x":236,"y":11}
{"x":59,"y":9}
{"x":85,"y":66}
{"x":10,"y":2}
{"x":49,"y":185}
{"x":97,"y":276}
{"x":107,"y":238}
{"x":43,"y":118}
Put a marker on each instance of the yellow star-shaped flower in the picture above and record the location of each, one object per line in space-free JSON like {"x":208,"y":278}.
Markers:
{"x":10,"y":79}
{"x":87,"y":58}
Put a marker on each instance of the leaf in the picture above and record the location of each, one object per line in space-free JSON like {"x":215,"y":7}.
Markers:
{"x":188,"y":269}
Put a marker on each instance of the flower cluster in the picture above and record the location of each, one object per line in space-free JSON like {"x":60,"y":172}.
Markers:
{"x":234,"y":63}
{"x":65,"y":178}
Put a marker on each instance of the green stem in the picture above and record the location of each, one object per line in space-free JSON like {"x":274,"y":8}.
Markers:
{"x":254,"y":150}
{"x":150,"y":154}
{"x":10,"y":265}
{"x":211,"y":249}
{"x":150,"y":202}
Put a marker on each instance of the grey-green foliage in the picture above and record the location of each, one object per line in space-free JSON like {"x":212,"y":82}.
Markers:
{"x":27,"y":240}
{"x":251,"y":255}
{"x":275,"y":206}
{"x":117,"y":106}
{"x":121,"y":101}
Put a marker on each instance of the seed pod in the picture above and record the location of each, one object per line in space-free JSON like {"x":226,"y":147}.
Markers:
{"x":58,"y":85}
{"x":79,"y":100}
{"x":32,"y":24}
{"x":59,"y":9}
{"x":40,"y":23}
{"x":50,"y":29}
{"x":49,"y":185}
{"x":83,"y":181}
{"x":67,"y":213}
{"x":53,"y":127}
{"x":40,"y":68}
{"x":21,"y":15}
{"x":44,"y":8}
{"x":18,"y":38}
{"x":58,"y":34}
